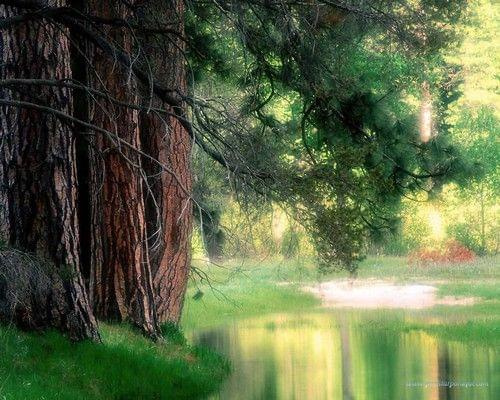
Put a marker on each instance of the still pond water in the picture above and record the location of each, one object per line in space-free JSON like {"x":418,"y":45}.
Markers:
{"x":351,"y":356}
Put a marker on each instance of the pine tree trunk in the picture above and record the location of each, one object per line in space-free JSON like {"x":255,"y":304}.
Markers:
{"x":38,"y":184}
{"x":120,"y":263}
{"x":169,"y":209}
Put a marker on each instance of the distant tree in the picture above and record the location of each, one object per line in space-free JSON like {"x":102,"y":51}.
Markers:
{"x":476,"y":128}
{"x":467,"y":106}
{"x":477,"y":131}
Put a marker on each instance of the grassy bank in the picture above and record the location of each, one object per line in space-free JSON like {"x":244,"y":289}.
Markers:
{"x":243,"y":289}
{"x":125,"y":366}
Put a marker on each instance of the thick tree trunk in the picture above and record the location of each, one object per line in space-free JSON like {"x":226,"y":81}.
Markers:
{"x":169,"y":209}
{"x":120,"y":264}
{"x":38,"y":184}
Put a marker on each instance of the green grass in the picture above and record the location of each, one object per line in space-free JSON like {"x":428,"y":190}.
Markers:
{"x":125,"y":366}
{"x":484,"y":291}
{"x":482,"y":268}
{"x":245,"y":289}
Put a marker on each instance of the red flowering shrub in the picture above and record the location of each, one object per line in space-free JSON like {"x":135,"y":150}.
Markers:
{"x":451,"y":253}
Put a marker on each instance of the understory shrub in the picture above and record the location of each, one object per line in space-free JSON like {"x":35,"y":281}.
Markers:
{"x":452,"y":252}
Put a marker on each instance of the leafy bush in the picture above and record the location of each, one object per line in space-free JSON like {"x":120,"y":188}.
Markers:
{"x":464,"y":234}
{"x":452,"y":252}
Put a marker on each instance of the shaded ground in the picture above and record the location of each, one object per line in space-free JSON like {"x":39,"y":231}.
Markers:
{"x":373,"y":293}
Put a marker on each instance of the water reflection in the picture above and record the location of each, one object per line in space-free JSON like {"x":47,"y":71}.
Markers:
{"x":342,"y":356}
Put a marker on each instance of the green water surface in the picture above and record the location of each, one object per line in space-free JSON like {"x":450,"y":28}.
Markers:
{"x":349,"y":355}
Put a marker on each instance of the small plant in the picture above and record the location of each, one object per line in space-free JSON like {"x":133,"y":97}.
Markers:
{"x":173,"y":333}
{"x":451,"y":253}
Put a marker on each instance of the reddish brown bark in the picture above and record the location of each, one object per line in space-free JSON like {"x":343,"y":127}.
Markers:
{"x":169,"y":209}
{"x":120,"y":263}
{"x":38,"y":184}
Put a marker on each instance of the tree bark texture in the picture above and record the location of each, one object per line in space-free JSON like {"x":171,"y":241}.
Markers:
{"x":169,"y":208}
{"x":38,"y":183}
{"x":120,"y":262}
